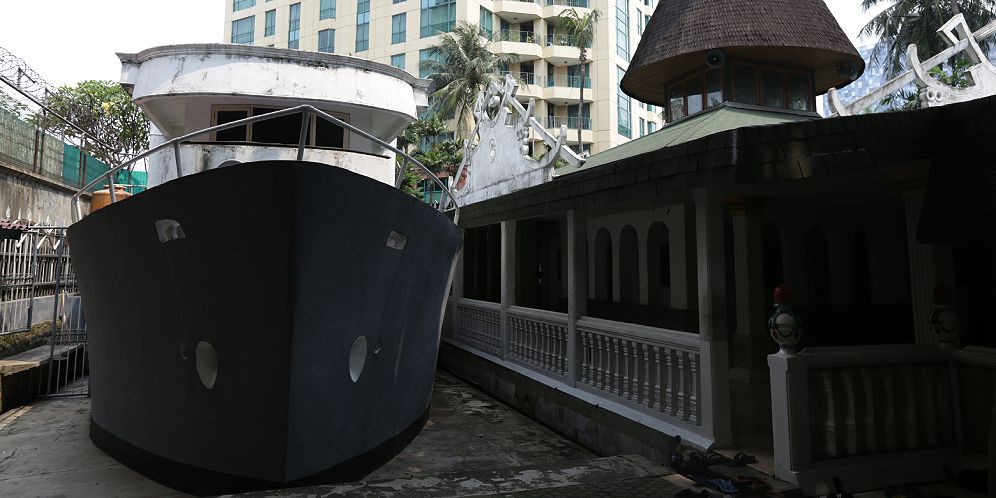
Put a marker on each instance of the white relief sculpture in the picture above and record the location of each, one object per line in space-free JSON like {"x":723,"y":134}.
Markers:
{"x":499,"y":162}
{"x":960,"y":39}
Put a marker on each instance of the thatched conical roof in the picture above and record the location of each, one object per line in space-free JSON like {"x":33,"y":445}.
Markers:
{"x":791,"y":33}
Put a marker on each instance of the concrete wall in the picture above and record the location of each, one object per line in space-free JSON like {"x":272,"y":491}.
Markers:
{"x":169,"y":81}
{"x":674,"y":217}
{"x":201,"y":157}
{"x":589,"y":425}
{"x":35,"y":198}
{"x":42,"y":308}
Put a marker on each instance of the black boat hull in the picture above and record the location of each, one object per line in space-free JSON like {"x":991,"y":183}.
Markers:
{"x":221,"y":350}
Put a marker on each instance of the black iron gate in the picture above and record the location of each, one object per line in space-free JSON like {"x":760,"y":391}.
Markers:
{"x":41,"y":309}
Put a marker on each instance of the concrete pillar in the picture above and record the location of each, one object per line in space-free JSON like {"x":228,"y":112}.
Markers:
{"x":751,"y":340}
{"x":615,"y":239}
{"x":712,"y":316}
{"x":507,"y":279}
{"x":458,"y":272}
{"x":642,"y":233}
{"x":930,"y":264}
{"x":577,"y":285}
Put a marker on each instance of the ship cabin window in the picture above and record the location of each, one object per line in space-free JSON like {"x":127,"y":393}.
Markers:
{"x":743,"y":82}
{"x":284,"y":130}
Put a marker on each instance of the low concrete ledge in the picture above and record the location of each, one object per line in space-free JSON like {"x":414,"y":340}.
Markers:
{"x":23,"y":375}
{"x":590,"y":425}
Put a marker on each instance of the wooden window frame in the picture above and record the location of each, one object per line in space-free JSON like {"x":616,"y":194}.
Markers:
{"x":215,"y":109}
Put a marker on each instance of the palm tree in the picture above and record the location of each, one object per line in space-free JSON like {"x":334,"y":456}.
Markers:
{"x":580,"y":30}
{"x":462,"y":64}
{"x":915,"y":22}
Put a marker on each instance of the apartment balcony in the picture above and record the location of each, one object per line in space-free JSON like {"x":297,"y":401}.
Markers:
{"x":530,"y":86}
{"x":553,"y":124}
{"x":572,"y":122}
{"x":559,"y":50}
{"x":564,"y":88}
{"x":525,"y":44}
{"x":553,"y":8}
{"x":518,"y":10}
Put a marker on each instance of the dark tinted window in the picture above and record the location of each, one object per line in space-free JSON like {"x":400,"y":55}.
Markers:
{"x":328,"y":134}
{"x":283,"y":130}
{"x":237,"y":134}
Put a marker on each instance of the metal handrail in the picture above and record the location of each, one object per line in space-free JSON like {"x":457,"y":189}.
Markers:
{"x":307,"y":111}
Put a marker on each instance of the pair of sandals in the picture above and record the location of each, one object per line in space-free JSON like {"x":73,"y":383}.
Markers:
{"x":741,"y":459}
{"x":755,"y":484}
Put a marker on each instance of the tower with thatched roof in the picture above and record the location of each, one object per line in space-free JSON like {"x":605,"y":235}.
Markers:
{"x":698,"y":54}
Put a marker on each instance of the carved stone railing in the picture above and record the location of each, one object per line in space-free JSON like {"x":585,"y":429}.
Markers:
{"x":538,"y":338}
{"x":654,"y":369}
{"x":478,"y":325}
{"x":645,"y":373}
{"x":842,"y":412}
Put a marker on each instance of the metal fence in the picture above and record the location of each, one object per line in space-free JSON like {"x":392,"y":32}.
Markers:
{"x":39,"y":297}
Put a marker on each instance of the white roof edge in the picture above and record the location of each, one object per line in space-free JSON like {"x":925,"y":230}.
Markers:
{"x":282,"y":54}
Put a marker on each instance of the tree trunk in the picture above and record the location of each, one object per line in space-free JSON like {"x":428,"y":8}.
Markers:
{"x":580,"y":108}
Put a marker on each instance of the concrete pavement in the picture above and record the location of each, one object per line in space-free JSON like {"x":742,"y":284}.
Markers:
{"x":472,"y":445}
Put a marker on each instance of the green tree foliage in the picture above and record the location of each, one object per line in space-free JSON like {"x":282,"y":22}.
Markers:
{"x":915,"y":22}
{"x":441,"y":157}
{"x":106,"y":112}
{"x":581,"y":31}
{"x":907,"y":99}
{"x":462,"y":65}
{"x":420,"y":129}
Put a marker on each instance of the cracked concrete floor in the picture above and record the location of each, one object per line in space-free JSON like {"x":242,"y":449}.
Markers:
{"x":45,"y":449}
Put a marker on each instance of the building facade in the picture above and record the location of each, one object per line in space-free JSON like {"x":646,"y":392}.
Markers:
{"x":873,"y":78}
{"x":400,"y":33}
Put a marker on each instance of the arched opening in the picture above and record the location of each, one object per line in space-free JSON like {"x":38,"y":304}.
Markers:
{"x":482,"y":263}
{"x":658,"y":265}
{"x":603,"y":265}
{"x":818,"y":261}
{"x":538,"y":263}
{"x":629,"y":266}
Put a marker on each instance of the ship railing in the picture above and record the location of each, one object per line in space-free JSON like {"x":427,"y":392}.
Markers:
{"x":306,"y":112}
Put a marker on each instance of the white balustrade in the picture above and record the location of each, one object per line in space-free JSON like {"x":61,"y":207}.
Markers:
{"x":650,"y":371}
{"x":838,"y":410}
{"x":538,"y":338}
{"x":653,"y":369}
{"x":478,"y":325}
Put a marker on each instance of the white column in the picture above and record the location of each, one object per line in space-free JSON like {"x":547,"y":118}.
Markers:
{"x":712,"y":316}
{"x":642,"y":233}
{"x":507,"y":279}
{"x":930,"y":265}
{"x":751,"y":340}
{"x":790,"y":423}
{"x":577,"y":285}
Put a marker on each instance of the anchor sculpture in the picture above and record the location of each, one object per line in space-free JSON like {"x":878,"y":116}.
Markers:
{"x":499,"y":162}
{"x":960,"y":39}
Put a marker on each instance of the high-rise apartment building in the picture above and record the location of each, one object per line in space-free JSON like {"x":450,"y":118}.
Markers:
{"x":400,"y":32}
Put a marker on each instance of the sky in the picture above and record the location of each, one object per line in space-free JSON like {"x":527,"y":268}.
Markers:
{"x":67,"y":41}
